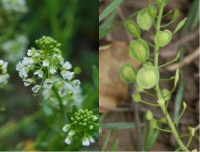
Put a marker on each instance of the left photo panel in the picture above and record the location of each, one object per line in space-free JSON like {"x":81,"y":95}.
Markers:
{"x":49,"y":75}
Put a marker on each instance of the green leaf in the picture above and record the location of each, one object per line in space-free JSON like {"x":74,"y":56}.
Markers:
{"x":132,"y":28}
{"x":108,"y":20}
{"x":162,"y":38}
{"x":127,"y":73}
{"x":148,"y":77}
{"x":95,"y":75}
{"x":179,"y":25}
{"x":115,"y":145}
{"x":95,"y":111}
{"x":106,"y":141}
{"x":47,"y":109}
{"x":109,"y":9}
{"x":118,"y":125}
{"x":139,"y":50}
{"x":144,"y":19}
{"x":107,"y":31}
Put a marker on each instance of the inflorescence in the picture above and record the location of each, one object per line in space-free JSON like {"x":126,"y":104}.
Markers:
{"x":84,"y":125}
{"x":3,"y":73}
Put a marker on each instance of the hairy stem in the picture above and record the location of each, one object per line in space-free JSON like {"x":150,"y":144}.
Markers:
{"x":156,"y":53}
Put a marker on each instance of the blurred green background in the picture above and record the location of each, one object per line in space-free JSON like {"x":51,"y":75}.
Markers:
{"x":25,"y":124}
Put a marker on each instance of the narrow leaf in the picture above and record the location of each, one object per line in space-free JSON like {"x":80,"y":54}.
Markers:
{"x":109,"y":9}
{"x":115,"y":145}
{"x":106,"y":141}
{"x":118,"y":125}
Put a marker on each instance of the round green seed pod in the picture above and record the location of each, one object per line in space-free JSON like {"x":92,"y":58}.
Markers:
{"x":139,"y":50}
{"x":162,"y":38}
{"x":136,"y":97}
{"x":132,"y":28}
{"x":145,"y":19}
{"x":148,"y":77}
{"x":139,"y":88}
{"x":127,"y":73}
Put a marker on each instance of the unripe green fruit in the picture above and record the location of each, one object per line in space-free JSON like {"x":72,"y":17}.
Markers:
{"x":149,"y":115}
{"x":127,"y":73}
{"x":136,"y":97}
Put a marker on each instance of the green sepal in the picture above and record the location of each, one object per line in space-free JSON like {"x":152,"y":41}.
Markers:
{"x":162,"y":38}
{"x":192,"y":131}
{"x":132,"y":28}
{"x":176,"y":77}
{"x":139,"y":50}
{"x":179,"y":25}
{"x":69,"y":115}
{"x":74,"y":109}
{"x":148,"y":77}
{"x":145,"y":19}
{"x":136,"y":97}
{"x":127,"y":73}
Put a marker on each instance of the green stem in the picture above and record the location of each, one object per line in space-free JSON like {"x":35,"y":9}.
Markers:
{"x":164,"y":130}
{"x":166,"y":63}
{"x":60,"y":105}
{"x":170,"y":123}
{"x":180,"y":116}
{"x":148,"y":93}
{"x":166,"y":79}
{"x":189,"y":141}
{"x":148,"y":43}
{"x":151,"y":104}
{"x":184,"y":135}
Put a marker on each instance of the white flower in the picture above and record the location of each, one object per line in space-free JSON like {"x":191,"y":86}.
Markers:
{"x":3,"y":78}
{"x":39,"y":73}
{"x":68,"y":140}
{"x":28,"y":81}
{"x":31,"y":52}
{"x":91,"y":139}
{"x":62,"y":92}
{"x":95,"y":118}
{"x":85,"y":141}
{"x":76,"y":84}
{"x":67,"y":85}
{"x":67,"y":74}
{"x":27,"y":61}
{"x":71,"y":133}
{"x":45,"y":63}
{"x":66,"y":128}
{"x":23,"y":74}
{"x":52,"y":70}
{"x":66,"y":66}
{"x":36,"y":88}
{"x":48,"y":83}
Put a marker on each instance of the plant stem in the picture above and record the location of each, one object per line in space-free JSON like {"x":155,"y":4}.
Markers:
{"x":170,"y":123}
{"x":151,"y":104}
{"x":60,"y":105}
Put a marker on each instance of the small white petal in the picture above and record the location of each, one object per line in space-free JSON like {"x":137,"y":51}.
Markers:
{"x":92,"y":140}
{"x":68,"y":140}
{"x":85,"y":141}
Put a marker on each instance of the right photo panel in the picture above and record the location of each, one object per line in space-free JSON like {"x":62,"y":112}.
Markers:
{"x":149,"y":75}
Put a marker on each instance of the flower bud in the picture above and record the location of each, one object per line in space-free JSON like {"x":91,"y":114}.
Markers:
{"x":136,"y":97}
{"x":149,"y":115}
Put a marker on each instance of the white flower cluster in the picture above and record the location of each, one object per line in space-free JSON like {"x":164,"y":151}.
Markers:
{"x":46,"y":64}
{"x":14,"y":5}
{"x":14,"y":49}
{"x":3,"y":73}
{"x":85,"y":140}
{"x":68,"y":100}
